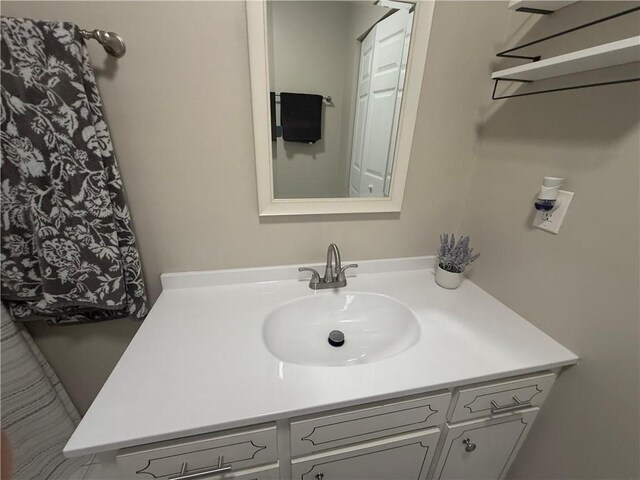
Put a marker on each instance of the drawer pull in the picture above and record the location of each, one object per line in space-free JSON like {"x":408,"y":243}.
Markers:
{"x":191,"y":476}
{"x":470,"y":447}
{"x":516,"y":405}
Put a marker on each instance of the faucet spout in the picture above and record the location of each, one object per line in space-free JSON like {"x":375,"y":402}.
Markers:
{"x":334,"y":265}
{"x":334,"y":276}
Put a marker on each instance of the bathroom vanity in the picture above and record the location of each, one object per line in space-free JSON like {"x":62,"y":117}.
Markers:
{"x":231,"y":376}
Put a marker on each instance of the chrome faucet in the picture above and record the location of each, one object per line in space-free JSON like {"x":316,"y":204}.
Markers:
{"x":334,"y":276}
{"x":333,"y":266}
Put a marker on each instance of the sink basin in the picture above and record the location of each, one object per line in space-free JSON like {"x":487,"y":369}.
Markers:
{"x":375,"y":327}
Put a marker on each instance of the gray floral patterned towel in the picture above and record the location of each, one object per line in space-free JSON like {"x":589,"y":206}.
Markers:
{"x":68,"y":250}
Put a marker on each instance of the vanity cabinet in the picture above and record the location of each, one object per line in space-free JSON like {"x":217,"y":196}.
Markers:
{"x":471,"y":432}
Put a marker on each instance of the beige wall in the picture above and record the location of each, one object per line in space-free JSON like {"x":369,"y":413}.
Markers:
{"x":581,"y":286}
{"x":179,"y":107}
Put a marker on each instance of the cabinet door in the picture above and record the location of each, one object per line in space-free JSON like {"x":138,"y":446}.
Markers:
{"x":402,"y":457}
{"x":483,"y":449}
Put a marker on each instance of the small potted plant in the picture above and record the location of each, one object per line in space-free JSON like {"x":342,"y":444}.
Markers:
{"x":453,"y":259}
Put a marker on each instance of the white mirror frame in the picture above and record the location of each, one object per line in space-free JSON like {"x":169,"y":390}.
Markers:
{"x":259,"y":71}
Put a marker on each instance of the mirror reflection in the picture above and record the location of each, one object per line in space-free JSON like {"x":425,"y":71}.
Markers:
{"x":336,"y":75}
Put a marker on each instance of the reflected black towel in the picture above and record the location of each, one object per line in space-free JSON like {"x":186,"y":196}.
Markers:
{"x":272,"y":102}
{"x":301,"y":115}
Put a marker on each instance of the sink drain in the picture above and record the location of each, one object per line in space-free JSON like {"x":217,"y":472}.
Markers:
{"x":336,"y":338}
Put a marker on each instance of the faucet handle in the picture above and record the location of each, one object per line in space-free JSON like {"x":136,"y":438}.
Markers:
{"x":341,"y":275}
{"x":315,"y":276}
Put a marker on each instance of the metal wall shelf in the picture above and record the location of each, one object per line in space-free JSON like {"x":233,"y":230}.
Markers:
{"x":610,"y":54}
{"x":601,"y":56}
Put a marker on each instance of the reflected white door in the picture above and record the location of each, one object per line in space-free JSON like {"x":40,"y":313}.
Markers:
{"x":396,"y":118}
{"x":362,"y":103}
{"x":371,"y":149}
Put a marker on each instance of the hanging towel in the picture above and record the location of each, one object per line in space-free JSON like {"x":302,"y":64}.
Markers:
{"x":301,"y":117}
{"x":68,"y":250}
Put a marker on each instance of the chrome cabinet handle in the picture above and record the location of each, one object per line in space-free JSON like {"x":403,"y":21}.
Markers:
{"x":319,"y":476}
{"x":470,"y":447}
{"x":341,"y":275}
{"x":315,"y":276}
{"x":516,"y":405}
{"x":205,"y":473}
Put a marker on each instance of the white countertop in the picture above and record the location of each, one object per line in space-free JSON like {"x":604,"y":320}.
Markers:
{"x":198,"y":363}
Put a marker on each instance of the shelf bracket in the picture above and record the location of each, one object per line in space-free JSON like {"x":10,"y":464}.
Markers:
{"x":550,"y":90}
{"x":537,"y":11}
{"x":507,"y":53}
{"x":523,"y":57}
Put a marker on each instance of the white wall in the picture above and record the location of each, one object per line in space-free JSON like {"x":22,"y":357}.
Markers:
{"x":179,"y":107}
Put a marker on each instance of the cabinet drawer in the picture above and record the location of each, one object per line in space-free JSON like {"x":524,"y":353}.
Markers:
{"x":270,"y":472}
{"x":344,"y":427}
{"x":403,"y":457}
{"x":240,"y":449}
{"x":501,"y":397}
{"x":111,"y":471}
{"x":483,"y":448}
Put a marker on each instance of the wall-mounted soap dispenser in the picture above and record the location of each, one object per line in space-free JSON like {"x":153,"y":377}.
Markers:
{"x":551,"y":204}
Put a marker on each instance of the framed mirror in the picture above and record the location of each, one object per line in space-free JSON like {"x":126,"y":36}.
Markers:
{"x":335,"y":88}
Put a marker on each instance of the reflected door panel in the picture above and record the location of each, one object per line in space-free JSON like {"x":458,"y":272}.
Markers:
{"x":396,"y":119}
{"x":388,"y":40}
{"x":364,"y":86}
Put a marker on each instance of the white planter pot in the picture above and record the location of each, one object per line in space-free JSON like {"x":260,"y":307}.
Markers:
{"x":446,"y":279}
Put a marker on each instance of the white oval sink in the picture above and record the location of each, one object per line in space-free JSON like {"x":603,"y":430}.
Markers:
{"x":375,"y":327}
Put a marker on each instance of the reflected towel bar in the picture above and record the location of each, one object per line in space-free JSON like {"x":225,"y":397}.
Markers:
{"x":326,"y":99}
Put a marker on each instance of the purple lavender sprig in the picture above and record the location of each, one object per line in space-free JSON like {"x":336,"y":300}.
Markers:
{"x":455,"y":256}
